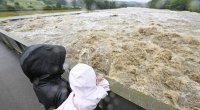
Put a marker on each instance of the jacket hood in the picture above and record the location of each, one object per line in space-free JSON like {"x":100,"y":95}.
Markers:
{"x":42,"y":60}
{"x":82,"y":79}
{"x":85,"y":94}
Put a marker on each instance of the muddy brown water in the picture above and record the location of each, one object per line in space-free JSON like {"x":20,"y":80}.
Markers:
{"x":153,"y":51}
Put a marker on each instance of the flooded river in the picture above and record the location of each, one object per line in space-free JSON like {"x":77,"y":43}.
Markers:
{"x":153,"y":51}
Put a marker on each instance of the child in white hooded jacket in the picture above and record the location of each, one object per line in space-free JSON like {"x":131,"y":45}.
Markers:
{"x":87,"y":89}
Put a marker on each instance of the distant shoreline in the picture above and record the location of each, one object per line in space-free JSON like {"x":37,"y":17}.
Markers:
{"x":31,"y":12}
{"x":40,"y":9}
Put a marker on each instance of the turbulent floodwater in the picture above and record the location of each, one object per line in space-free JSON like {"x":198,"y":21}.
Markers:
{"x":156,"y":52}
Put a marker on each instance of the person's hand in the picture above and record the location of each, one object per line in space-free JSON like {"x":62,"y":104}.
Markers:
{"x":100,"y":77}
{"x":101,"y":81}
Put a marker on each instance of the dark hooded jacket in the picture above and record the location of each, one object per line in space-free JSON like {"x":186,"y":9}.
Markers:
{"x":43,"y":65}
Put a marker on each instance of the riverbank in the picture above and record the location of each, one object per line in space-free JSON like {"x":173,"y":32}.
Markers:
{"x":32,"y":12}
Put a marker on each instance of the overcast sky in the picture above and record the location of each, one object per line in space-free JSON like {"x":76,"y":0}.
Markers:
{"x":135,"y":0}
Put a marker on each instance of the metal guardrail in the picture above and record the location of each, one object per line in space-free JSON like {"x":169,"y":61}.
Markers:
{"x":12,"y":42}
{"x":131,"y":98}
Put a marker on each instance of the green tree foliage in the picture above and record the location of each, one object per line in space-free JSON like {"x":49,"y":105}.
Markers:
{"x":31,"y":7}
{"x":55,"y":4}
{"x":58,"y":6}
{"x":17,"y":6}
{"x":191,"y":5}
{"x":179,"y":4}
{"x":152,"y":3}
{"x":123,"y":5}
{"x":105,"y":4}
{"x":63,"y":2}
{"x":47,"y":7}
{"x":112,"y":4}
{"x":194,"y":6}
{"x":74,"y":3}
{"x":89,"y":3}
{"x":50,"y":1}
{"x":1,"y":1}
{"x":10,"y":8}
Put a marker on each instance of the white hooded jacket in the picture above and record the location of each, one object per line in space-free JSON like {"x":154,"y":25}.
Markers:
{"x":85,"y":94}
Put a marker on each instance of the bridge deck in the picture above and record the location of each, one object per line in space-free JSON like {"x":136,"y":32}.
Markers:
{"x":16,"y":91}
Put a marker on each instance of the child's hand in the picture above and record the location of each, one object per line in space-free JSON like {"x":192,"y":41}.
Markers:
{"x":102,"y":82}
{"x":100,"y":77}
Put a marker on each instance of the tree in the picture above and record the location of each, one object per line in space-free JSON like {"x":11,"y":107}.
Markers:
{"x":17,"y":6}
{"x":194,"y":6}
{"x":31,"y":7}
{"x":178,"y":4}
{"x":152,"y":3}
{"x":88,"y":4}
{"x":50,"y":1}
{"x":58,"y":6}
{"x":167,"y":5}
{"x":160,"y":4}
{"x":1,"y":1}
{"x":8,"y":7}
{"x":113,"y":4}
{"x":123,"y":5}
{"x":74,"y":2}
{"x":105,"y":4}
{"x":47,"y":7}
{"x":171,"y":4}
{"x":63,"y":2}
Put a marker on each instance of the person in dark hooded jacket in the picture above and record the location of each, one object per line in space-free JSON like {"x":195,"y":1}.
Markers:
{"x":43,"y":65}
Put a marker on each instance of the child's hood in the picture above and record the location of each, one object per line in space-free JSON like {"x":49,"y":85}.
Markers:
{"x":82,"y":79}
